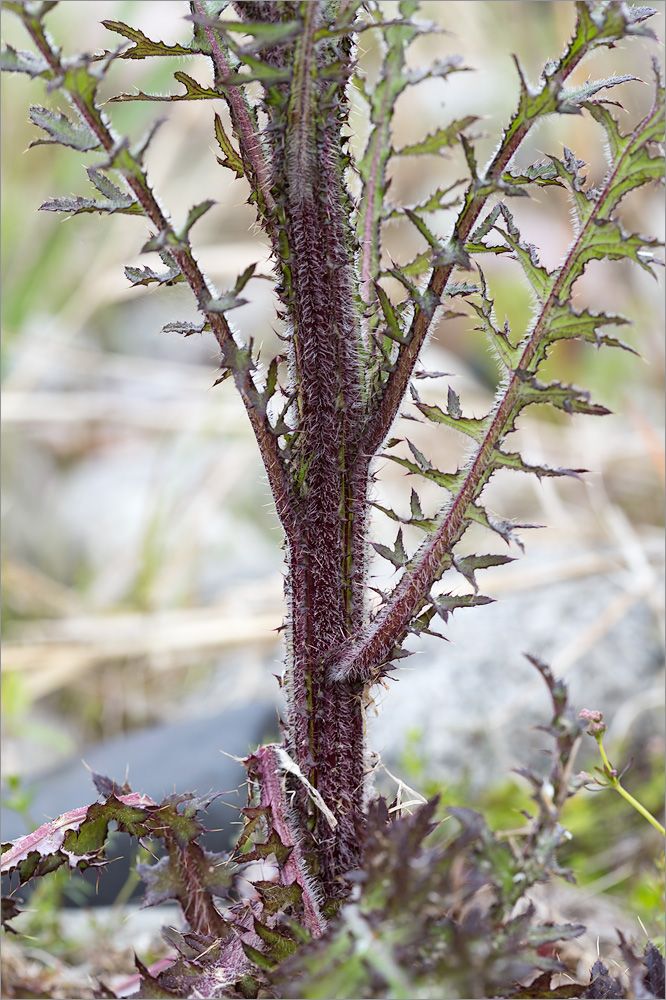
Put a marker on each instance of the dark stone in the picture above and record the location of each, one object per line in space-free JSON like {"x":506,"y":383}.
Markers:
{"x":159,"y":760}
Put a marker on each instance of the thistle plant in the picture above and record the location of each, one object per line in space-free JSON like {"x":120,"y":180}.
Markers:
{"x":322,"y":412}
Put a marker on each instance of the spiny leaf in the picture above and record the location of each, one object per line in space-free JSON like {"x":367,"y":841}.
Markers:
{"x":194,"y":91}
{"x":506,"y":529}
{"x":392,"y":81}
{"x":417,"y":519}
{"x":451,"y":481}
{"x":277,"y":897}
{"x":419,"y":624}
{"x":142,"y":46}
{"x":470,"y":426}
{"x":396,"y":555}
{"x":607,"y":240}
{"x":537,"y":275}
{"x":231,"y":157}
{"x":185,"y":328}
{"x":508,"y":353}
{"x":542,"y":174}
{"x":567,"y":324}
{"x":513,"y":460}
{"x":423,"y":229}
{"x":441,"y":139}
{"x":633,"y":150}
{"x":416,"y":267}
{"x":569,"y":398}
{"x":423,"y":299}
{"x":231,"y":300}
{"x":393,"y":328}
{"x":446,"y":604}
{"x":62,"y":130}
{"x":76,"y":206}
{"x":468,"y":565}
{"x":17,"y":61}
{"x":435,"y":202}
{"x":146,"y":276}
{"x":194,"y":215}
{"x":579,"y":95}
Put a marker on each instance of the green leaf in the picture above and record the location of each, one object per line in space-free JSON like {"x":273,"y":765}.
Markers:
{"x":18,"y":61}
{"x":443,"y":138}
{"x":186,"y":329}
{"x":231,"y":157}
{"x":537,"y":275}
{"x":230,"y":300}
{"x":393,"y":327}
{"x":564,"y":397}
{"x":446,"y":604}
{"x":143,"y":47}
{"x":507,"y":353}
{"x":79,"y":206}
{"x":513,"y":460}
{"x":567,"y":324}
{"x":435,"y":202}
{"x":607,"y":240}
{"x":194,"y":91}
{"x":636,"y":152}
{"x":542,"y":174}
{"x":258,"y":958}
{"x":193,"y":216}
{"x":506,"y":529}
{"x":474,"y":427}
{"x":451,"y":481}
{"x":579,"y":95}
{"x":146,"y":276}
{"x":417,"y":520}
{"x":396,"y":555}
{"x":63,"y":131}
{"x":104,"y":185}
{"x":468,"y":565}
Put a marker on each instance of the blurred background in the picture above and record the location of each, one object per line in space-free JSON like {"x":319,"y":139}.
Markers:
{"x":141,"y":558}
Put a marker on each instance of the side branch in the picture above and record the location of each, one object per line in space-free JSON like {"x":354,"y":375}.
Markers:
{"x":179,"y":248}
{"x":365,"y":660}
{"x":546,"y":102}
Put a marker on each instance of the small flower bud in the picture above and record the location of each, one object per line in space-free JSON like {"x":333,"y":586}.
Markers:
{"x":597,"y":727}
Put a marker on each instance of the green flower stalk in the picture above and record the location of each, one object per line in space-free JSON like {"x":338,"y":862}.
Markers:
{"x":611,"y":779}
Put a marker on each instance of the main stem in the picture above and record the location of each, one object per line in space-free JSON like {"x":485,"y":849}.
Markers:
{"x":325,"y":723}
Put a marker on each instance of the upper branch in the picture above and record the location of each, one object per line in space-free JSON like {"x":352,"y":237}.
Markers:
{"x":82,"y":95}
{"x":590,"y":33}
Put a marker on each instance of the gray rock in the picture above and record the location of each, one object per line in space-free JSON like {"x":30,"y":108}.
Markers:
{"x":160,"y":760}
